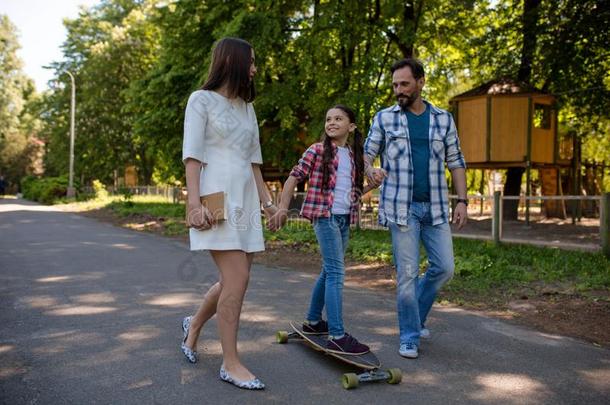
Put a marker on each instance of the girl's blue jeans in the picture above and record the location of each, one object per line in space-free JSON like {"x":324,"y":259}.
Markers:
{"x":332,"y":234}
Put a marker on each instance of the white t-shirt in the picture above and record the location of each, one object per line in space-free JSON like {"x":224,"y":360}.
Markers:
{"x":343,"y":186}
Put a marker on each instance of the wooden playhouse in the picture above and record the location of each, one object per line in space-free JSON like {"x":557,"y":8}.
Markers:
{"x":505,"y":123}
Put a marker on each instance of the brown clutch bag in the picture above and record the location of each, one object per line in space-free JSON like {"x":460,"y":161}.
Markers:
{"x":215,"y":203}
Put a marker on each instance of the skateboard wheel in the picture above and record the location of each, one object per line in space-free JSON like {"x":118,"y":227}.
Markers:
{"x":395,"y":376}
{"x":281,"y":336}
{"x":349,"y":381}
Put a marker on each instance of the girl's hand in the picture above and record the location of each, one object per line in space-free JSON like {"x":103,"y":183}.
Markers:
{"x":375,"y":176}
{"x":199,"y":217}
{"x":277,"y":220}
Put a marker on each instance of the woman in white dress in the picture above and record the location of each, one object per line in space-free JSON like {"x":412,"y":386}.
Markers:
{"x":221,"y":153}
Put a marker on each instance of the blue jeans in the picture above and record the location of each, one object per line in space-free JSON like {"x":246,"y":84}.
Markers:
{"x":332,"y":234}
{"x":415,"y":295}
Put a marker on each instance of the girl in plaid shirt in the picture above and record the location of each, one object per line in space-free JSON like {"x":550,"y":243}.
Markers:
{"x":336,"y":175}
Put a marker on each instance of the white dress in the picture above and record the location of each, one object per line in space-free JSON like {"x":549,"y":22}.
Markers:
{"x":224,"y":135}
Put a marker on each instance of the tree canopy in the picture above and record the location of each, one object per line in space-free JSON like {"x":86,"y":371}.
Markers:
{"x":18,"y":122}
{"x":137,"y":61}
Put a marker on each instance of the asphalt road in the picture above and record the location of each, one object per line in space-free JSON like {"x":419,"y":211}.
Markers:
{"x":90,"y":313}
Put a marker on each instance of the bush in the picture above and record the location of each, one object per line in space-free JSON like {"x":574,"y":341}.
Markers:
{"x":100,"y":190}
{"x":27,"y":184}
{"x":45,"y":190}
{"x":127,"y":195}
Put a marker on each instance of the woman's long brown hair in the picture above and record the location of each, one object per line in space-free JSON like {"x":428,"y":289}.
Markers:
{"x":357,"y":149}
{"x":231,"y":61}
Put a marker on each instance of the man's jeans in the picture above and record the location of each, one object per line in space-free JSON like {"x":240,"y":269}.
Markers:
{"x":415,"y":295}
{"x":332,"y":234}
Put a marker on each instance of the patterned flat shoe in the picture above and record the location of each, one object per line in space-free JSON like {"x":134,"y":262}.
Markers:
{"x":191,"y":355}
{"x":254,"y":384}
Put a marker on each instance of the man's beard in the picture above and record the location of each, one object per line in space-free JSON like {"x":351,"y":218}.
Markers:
{"x":405,"y":101}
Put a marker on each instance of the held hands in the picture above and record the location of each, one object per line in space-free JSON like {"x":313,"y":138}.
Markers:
{"x":375,"y":176}
{"x":277,"y":220}
{"x":199,"y":217}
{"x":460,"y":215}
{"x":270,"y":212}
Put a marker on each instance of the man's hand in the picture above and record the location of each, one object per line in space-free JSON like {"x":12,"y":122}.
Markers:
{"x":375,"y":176}
{"x":199,"y":217}
{"x":460,"y":215}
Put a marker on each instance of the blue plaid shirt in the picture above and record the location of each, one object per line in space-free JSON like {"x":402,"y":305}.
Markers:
{"x":389,"y":138}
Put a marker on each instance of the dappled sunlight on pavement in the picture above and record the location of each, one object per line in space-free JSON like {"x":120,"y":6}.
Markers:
{"x":174,"y":300}
{"x":509,"y":387}
{"x":599,"y":379}
{"x":67,"y":310}
{"x":25,"y":206}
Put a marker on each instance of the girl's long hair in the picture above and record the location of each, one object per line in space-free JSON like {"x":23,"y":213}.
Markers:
{"x":357,"y":150}
{"x":231,"y":61}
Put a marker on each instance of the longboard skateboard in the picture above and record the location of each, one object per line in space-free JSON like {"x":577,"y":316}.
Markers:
{"x":368,"y":362}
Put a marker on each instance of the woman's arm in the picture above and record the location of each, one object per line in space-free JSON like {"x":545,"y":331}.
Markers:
{"x":263,"y":192}
{"x":197,"y":216}
{"x":287,"y":192}
{"x":193,"y":170}
{"x":278,"y":220}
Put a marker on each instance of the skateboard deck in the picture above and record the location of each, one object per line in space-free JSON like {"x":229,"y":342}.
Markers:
{"x":367,"y":361}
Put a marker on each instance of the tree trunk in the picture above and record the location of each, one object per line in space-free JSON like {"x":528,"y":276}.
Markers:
{"x":405,"y":37}
{"x":528,"y":49}
{"x":530,"y":22}
{"x":512,"y":187}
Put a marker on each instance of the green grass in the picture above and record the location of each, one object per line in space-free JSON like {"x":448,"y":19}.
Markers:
{"x":482,"y":268}
{"x":172,"y":215}
{"x":153,"y":209}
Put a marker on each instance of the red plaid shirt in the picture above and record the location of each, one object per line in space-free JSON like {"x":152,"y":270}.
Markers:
{"x":318,"y":203}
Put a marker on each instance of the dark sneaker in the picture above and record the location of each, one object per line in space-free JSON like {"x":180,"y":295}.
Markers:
{"x":320,"y":328}
{"x":347,"y":345}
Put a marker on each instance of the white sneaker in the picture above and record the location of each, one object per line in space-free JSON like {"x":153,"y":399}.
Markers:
{"x":424,"y":333}
{"x":408,"y":350}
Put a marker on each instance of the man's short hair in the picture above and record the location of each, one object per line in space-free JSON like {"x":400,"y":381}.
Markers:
{"x":417,"y":68}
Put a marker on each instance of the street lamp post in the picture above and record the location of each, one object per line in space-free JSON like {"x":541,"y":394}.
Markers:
{"x":71,"y":192}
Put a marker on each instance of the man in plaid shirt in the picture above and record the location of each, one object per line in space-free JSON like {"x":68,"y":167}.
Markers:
{"x":415,"y":140}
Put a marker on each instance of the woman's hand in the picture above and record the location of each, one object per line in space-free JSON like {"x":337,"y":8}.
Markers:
{"x":270,"y":211}
{"x":199,"y":217}
{"x":277,"y":220}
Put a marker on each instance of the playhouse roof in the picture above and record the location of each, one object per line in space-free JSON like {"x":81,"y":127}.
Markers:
{"x":500,"y":86}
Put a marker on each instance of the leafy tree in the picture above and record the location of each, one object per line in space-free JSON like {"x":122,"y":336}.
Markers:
{"x":157,"y":99}
{"x":17,"y":123}
{"x":108,"y":48}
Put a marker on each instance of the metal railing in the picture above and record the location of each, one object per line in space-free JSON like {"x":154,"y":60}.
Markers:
{"x":488,"y":209}
{"x":170,"y":193}
{"x":604,"y":212}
